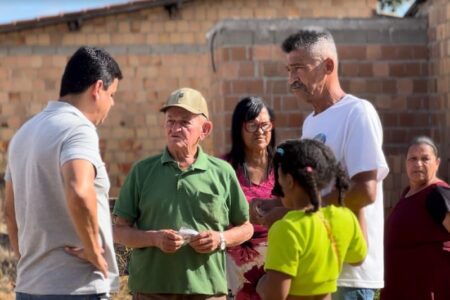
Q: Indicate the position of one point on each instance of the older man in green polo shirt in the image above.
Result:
(180, 209)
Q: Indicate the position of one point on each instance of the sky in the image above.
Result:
(18, 10)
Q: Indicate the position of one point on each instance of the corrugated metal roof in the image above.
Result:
(85, 14)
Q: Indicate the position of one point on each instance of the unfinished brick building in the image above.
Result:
(229, 49)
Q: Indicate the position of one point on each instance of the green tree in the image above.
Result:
(393, 4)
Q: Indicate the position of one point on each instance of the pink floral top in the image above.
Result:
(251, 191)
(247, 258)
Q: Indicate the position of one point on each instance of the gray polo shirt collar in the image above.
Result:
(64, 106)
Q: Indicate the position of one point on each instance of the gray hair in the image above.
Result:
(315, 40)
(419, 140)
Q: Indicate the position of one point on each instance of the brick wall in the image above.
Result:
(382, 60)
(157, 54)
(389, 62)
(439, 72)
(155, 26)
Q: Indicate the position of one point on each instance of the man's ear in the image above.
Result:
(329, 65)
(206, 129)
(95, 89)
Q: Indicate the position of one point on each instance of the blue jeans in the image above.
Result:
(348, 293)
(24, 296)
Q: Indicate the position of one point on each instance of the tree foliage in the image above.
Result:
(393, 4)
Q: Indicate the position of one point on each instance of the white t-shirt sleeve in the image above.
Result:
(82, 143)
(364, 142)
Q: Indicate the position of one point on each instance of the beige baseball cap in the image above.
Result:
(189, 99)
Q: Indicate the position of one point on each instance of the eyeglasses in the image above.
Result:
(255, 126)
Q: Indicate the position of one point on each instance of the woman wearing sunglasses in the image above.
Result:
(252, 149)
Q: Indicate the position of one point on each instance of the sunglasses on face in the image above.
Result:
(253, 126)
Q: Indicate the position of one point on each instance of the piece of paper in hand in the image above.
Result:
(187, 234)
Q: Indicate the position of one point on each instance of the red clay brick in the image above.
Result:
(397, 70)
(290, 104)
(238, 53)
(246, 69)
(277, 87)
(389, 86)
(373, 52)
(420, 86)
(262, 52)
(349, 69)
(420, 52)
(413, 69)
(365, 69)
(247, 86)
(404, 86)
(352, 52)
(272, 69)
(373, 86)
(389, 52)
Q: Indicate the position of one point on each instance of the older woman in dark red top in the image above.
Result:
(417, 257)
(252, 149)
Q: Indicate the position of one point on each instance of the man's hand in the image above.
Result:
(260, 207)
(169, 240)
(96, 259)
(206, 241)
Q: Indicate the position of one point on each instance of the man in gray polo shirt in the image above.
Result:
(57, 187)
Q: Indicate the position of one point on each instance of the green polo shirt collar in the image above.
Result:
(200, 163)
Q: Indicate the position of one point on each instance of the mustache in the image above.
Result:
(297, 85)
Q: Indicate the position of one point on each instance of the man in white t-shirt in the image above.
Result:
(352, 129)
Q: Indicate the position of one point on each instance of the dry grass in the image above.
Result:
(123, 293)
(7, 266)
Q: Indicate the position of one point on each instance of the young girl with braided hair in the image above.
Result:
(306, 249)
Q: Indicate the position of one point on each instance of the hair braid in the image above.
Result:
(313, 167)
(342, 183)
(313, 191)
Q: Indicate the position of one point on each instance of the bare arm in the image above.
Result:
(81, 200)
(274, 286)
(238, 234)
(363, 190)
(126, 234)
(208, 241)
(446, 222)
(10, 214)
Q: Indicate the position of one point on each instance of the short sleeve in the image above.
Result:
(357, 249)
(127, 205)
(82, 143)
(438, 203)
(364, 141)
(284, 249)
